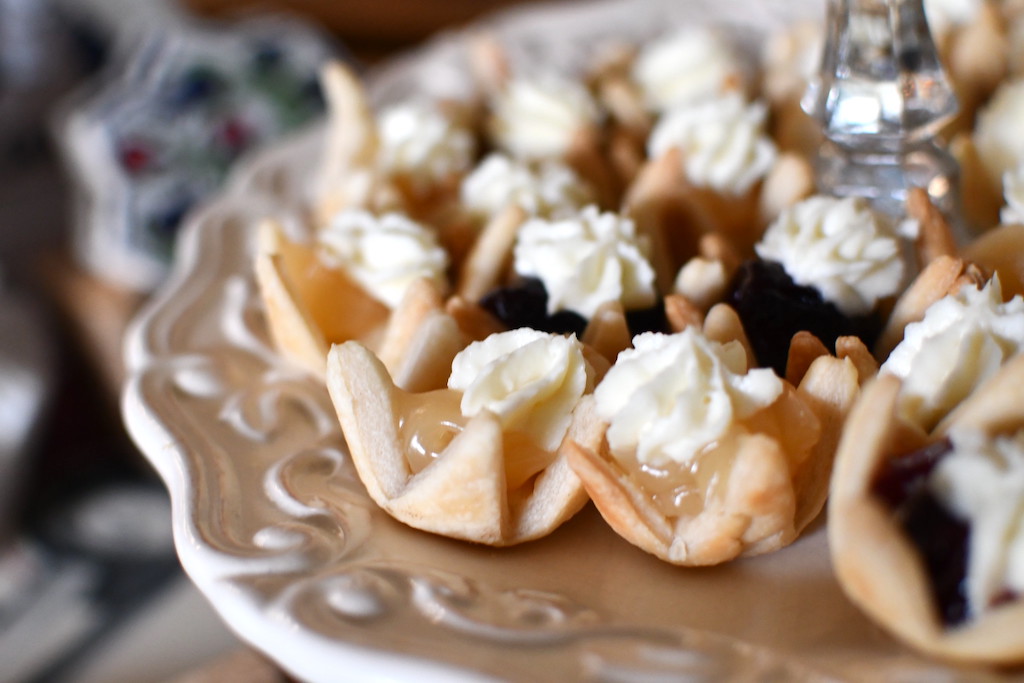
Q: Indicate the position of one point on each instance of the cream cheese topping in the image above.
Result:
(997, 131)
(549, 189)
(1013, 195)
(723, 142)
(418, 140)
(963, 340)
(686, 66)
(982, 482)
(531, 380)
(670, 396)
(586, 260)
(540, 118)
(841, 247)
(383, 253)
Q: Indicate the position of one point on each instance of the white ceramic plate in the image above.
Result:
(273, 526)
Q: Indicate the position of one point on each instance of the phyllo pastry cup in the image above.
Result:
(309, 304)
(479, 462)
(699, 460)
(878, 565)
(346, 282)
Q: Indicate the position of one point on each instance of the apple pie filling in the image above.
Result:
(429, 421)
(530, 380)
(684, 490)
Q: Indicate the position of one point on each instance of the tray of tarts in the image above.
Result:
(542, 359)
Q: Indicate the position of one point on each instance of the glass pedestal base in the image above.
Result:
(884, 178)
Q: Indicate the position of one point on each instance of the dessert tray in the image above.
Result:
(274, 527)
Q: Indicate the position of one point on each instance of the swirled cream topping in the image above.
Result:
(548, 189)
(418, 140)
(685, 67)
(540, 118)
(981, 481)
(531, 380)
(586, 260)
(841, 247)
(997, 131)
(383, 253)
(1013, 195)
(963, 340)
(723, 142)
(670, 396)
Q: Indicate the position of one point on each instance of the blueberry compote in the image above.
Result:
(525, 304)
(773, 308)
(941, 538)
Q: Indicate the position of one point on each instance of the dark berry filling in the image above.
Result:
(773, 308)
(941, 538)
(647, 319)
(525, 304)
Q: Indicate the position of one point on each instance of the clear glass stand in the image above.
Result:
(881, 96)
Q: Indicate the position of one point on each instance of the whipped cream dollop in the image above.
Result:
(531, 380)
(962, 340)
(723, 142)
(981, 481)
(383, 253)
(841, 247)
(549, 189)
(686, 66)
(997, 135)
(418, 140)
(670, 396)
(586, 260)
(537, 118)
(1013, 194)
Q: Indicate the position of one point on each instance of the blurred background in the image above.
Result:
(90, 201)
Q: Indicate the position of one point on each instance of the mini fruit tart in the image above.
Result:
(961, 341)
(700, 459)
(824, 265)
(586, 274)
(481, 459)
(345, 283)
(925, 529)
(543, 116)
(411, 155)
